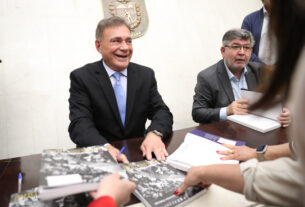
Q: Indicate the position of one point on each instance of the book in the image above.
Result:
(259, 119)
(156, 183)
(199, 148)
(30, 198)
(66, 172)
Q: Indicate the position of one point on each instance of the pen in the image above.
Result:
(19, 182)
(122, 149)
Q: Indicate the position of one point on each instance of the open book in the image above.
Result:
(30, 198)
(199, 148)
(67, 172)
(260, 120)
(156, 183)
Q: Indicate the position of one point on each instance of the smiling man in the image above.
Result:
(112, 99)
(217, 93)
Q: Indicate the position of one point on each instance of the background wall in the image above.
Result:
(42, 41)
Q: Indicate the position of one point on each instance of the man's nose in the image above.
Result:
(124, 46)
(241, 51)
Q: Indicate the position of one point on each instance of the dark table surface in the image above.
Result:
(30, 165)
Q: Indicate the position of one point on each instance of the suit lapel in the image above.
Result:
(104, 80)
(132, 83)
(251, 80)
(224, 80)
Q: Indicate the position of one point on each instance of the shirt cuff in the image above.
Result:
(223, 113)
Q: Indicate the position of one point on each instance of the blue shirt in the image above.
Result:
(236, 86)
(112, 79)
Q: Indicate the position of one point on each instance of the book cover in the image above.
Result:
(30, 198)
(199, 148)
(65, 172)
(156, 183)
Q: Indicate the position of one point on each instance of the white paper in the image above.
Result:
(195, 151)
(226, 141)
(61, 180)
(271, 113)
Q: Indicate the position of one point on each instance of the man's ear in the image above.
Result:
(222, 50)
(98, 46)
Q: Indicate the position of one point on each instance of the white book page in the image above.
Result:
(271, 113)
(255, 122)
(196, 150)
(61, 180)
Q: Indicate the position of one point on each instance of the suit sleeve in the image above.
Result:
(82, 129)
(104, 201)
(203, 111)
(246, 24)
(159, 114)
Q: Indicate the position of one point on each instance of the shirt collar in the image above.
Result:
(265, 12)
(110, 72)
(230, 74)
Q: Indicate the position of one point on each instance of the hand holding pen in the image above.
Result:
(116, 154)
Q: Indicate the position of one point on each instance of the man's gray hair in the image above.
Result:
(241, 34)
(109, 22)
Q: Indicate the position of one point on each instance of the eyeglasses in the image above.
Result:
(246, 48)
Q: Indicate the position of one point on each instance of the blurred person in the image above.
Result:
(112, 192)
(257, 23)
(279, 182)
(244, 153)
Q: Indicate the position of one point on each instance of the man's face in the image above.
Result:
(115, 47)
(236, 54)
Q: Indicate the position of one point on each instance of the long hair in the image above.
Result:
(287, 25)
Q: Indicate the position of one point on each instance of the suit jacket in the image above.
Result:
(214, 91)
(103, 201)
(94, 114)
(254, 23)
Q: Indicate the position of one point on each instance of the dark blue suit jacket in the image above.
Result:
(254, 23)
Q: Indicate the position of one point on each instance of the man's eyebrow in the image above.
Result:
(116, 38)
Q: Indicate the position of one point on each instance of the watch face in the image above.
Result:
(261, 148)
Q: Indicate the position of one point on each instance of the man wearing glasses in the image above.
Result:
(217, 92)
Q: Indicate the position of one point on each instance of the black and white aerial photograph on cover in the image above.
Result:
(156, 183)
(29, 198)
(91, 163)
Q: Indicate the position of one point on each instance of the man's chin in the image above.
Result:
(121, 66)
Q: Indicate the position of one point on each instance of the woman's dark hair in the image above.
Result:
(287, 25)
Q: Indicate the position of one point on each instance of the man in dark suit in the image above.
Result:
(217, 93)
(112, 99)
(254, 23)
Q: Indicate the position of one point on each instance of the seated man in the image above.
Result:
(217, 93)
(112, 99)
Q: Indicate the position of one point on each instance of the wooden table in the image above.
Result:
(30, 165)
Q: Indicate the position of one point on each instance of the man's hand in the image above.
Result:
(115, 152)
(116, 188)
(285, 118)
(153, 143)
(239, 107)
(241, 153)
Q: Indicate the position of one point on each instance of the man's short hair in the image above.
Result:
(109, 22)
(237, 34)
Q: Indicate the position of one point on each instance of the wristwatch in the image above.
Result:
(260, 151)
(158, 133)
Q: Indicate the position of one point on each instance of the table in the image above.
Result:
(30, 165)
